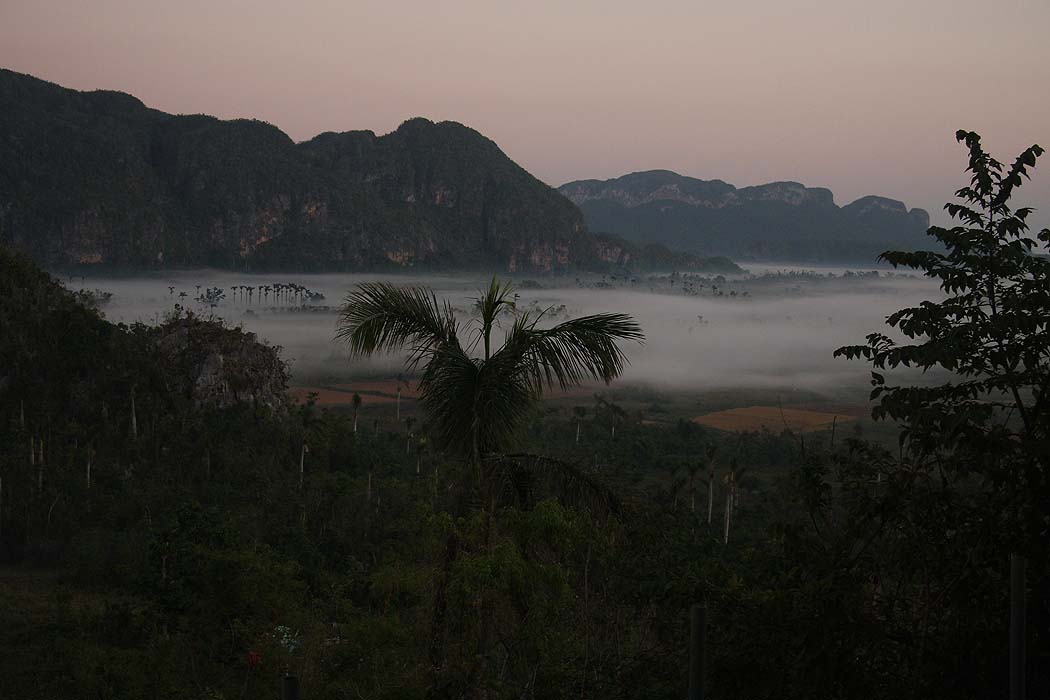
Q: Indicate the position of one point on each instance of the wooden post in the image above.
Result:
(697, 653)
(1018, 564)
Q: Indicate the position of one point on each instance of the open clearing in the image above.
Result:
(772, 417)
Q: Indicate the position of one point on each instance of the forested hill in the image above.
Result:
(97, 178)
(777, 221)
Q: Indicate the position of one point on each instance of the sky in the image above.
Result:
(860, 97)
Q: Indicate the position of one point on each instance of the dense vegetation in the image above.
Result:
(98, 179)
(171, 528)
(777, 221)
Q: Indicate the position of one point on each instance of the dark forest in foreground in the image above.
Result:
(172, 527)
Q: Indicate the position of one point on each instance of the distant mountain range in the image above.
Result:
(98, 179)
(783, 221)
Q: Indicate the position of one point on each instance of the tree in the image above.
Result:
(580, 412)
(475, 405)
(992, 332)
(356, 400)
(975, 472)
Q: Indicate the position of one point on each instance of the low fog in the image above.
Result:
(773, 328)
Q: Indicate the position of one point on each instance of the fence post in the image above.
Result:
(697, 644)
(1018, 564)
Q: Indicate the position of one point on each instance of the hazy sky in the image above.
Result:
(860, 97)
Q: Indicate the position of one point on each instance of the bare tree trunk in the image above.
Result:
(47, 527)
(134, 417)
(729, 515)
(302, 465)
(710, 497)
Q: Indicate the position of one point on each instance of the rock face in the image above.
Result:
(218, 367)
(777, 221)
(99, 179)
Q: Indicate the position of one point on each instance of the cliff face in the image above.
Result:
(99, 179)
(780, 220)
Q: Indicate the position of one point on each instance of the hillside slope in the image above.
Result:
(99, 179)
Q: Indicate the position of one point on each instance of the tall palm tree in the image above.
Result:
(476, 398)
(580, 412)
(356, 400)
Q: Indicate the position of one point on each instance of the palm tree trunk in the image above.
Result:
(134, 417)
(729, 514)
(577, 432)
(302, 465)
(710, 498)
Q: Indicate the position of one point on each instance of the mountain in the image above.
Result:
(777, 221)
(99, 179)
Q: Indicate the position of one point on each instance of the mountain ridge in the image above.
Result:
(777, 220)
(98, 179)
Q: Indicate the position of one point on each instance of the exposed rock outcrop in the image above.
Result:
(219, 367)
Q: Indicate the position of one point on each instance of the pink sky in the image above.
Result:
(860, 97)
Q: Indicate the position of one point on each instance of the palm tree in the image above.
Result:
(616, 415)
(356, 400)
(409, 421)
(400, 381)
(476, 405)
(579, 412)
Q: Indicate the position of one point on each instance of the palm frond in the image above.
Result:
(570, 352)
(378, 316)
(492, 302)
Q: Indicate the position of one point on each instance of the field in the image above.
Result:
(773, 418)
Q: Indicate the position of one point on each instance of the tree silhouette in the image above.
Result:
(580, 412)
(476, 405)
